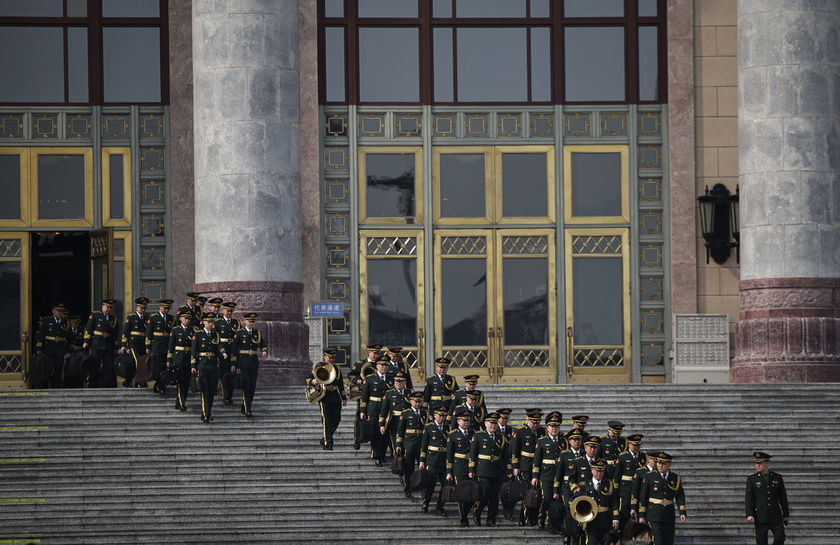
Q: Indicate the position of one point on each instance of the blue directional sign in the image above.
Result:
(326, 309)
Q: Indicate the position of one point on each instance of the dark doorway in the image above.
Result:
(60, 272)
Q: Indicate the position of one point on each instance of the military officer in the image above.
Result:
(134, 336)
(489, 463)
(75, 338)
(544, 469)
(627, 464)
(661, 491)
(504, 418)
(612, 445)
(178, 355)
(458, 459)
(397, 364)
(566, 467)
(192, 305)
(205, 353)
(248, 344)
(332, 401)
(472, 404)
(638, 477)
(227, 326)
(52, 341)
(470, 385)
(602, 490)
(394, 402)
(102, 337)
(157, 339)
(356, 381)
(216, 307)
(523, 445)
(370, 405)
(433, 456)
(410, 436)
(440, 386)
(579, 424)
(766, 501)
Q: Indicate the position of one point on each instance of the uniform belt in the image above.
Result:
(331, 387)
(413, 431)
(626, 477)
(248, 352)
(527, 454)
(102, 333)
(491, 458)
(160, 334)
(459, 455)
(206, 354)
(226, 340)
(397, 413)
(549, 462)
(53, 338)
(603, 509)
(610, 462)
(436, 398)
(181, 348)
(138, 333)
(435, 449)
(374, 398)
(661, 502)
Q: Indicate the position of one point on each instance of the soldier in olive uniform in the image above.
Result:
(766, 501)
(398, 364)
(440, 387)
(205, 354)
(356, 382)
(470, 385)
(370, 405)
(52, 341)
(603, 491)
(248, 345)
(579, 424)
(523, 444)
(612, 445)
(227, 326)
(544, 469)
(506, 430)
(650, 465)
(332, 401)
(102, 334)
(195, 310)
(157, 339)
(134, 336)
(661, 491)
(394, 402)
(582, 470)
(489, 462)
(476, 411)
(626, 466)
(178, 355)
(458, 459)
(75, 338)
(410, 436)
(566, 467)
(433, 456)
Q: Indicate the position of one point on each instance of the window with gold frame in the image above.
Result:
(14, 184)
(116, 187)
(391, 184)
(596, 184)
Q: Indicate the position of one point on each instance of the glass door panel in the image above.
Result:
(597, 305)
(462, 185)
(391, 290)
(17, 332)
(524, 181)
(596, 181)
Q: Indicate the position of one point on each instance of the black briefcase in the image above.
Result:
(532, 498)
(513, 490)
(40, 370)
(232, 381)
(364, 431)
(468, 491)
(555, 509)
(124, 365)
(447, 493)
(420, 480)
(144, 373)
(398, 465)
(168, 377)
(90, 364)
(73, 364)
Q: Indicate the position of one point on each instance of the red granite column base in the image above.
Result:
(789, 371)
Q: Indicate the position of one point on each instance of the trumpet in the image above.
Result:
(584, 509)
(324, 373)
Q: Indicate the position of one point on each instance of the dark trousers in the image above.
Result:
(662, 532)
(412, 458)
(56, 380)
(207, 380)
(330, 419)
(105, 376)
(438, 476)
(623, 512)
(182, 375)
(464, 507)
(527, 516)
(492, 487)
(227, 383)
(249, 386)
(778, 529)
(379, 442)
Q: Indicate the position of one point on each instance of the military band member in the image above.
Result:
(470, 385)
(766, 501)
(661, 491)
(544, 469)
(410, 436)
(626, 467)
(504, 418)
(157, 338)
(227, 326)
(248, 345)
(433, 456)
(458, 459)
(398, 364)
(650, 465)
(332, 401)
(566, 466)
(523, 445)
(52, 341)
(581, 471)
(178, 356)
(489, 463)
(476, 411)
(579, 424)
(370, 405)
(205, 354)
(355, 379)
(134, 336)
(216, 307)
(75, 338)
(394, 402)
(102, 337)
(612, 445)
(195, 310)
(440, 387)
(602, 490)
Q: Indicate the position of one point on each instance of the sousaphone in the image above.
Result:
(325, 373)
(354, 391)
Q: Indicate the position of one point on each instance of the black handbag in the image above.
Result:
(364, 431)
(468, 491)
(513, 490)
(555, 509)
(124, 365)
(168, 377)
(532, 498)
(398, 465)
(420, 480)
(447, 493)
(73, 364)
(40, 370)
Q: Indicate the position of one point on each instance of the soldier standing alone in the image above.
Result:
(766, 501)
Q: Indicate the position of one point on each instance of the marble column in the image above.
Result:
(247, 171)
(789, 138)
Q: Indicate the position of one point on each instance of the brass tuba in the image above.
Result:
(325, 373)
(584, 509)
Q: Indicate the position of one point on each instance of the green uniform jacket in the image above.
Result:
(433, 447)
(52, 336)
(392, 407)
(476, 422)
(102, 332)
(373, 393)
(157, 332)
(227, 329)
(410, 430)
(335, 389)
(766, 498)
(489, 456)
(523, 443)
(566, 468)
(625, 468)
(607, 499)
(458, 453)
(247, 347)
(545, 459)
(461, 399)
(180, 342)
(205, 351)
(658, 497)
(439, 390)
(134, 333)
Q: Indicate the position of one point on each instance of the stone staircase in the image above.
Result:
(123, 466)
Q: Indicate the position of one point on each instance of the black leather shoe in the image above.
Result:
(183, 408)
(378, 463)
(356, 446)
(324, 446)
(522, 523)
(541, 523)
(440, 513)
(328, 447)
(249, 415)
(465, 523)
(477, 520)
(409, 495)
(491, 522)
(425, 508)
(205, 420)
(177, 406)
(162, 392)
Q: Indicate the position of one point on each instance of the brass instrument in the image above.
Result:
(325, 373)
(584, 509)
(354, 391)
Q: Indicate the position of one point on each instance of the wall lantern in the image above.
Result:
(720, 223)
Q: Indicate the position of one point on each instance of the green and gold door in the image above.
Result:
(17, 336)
